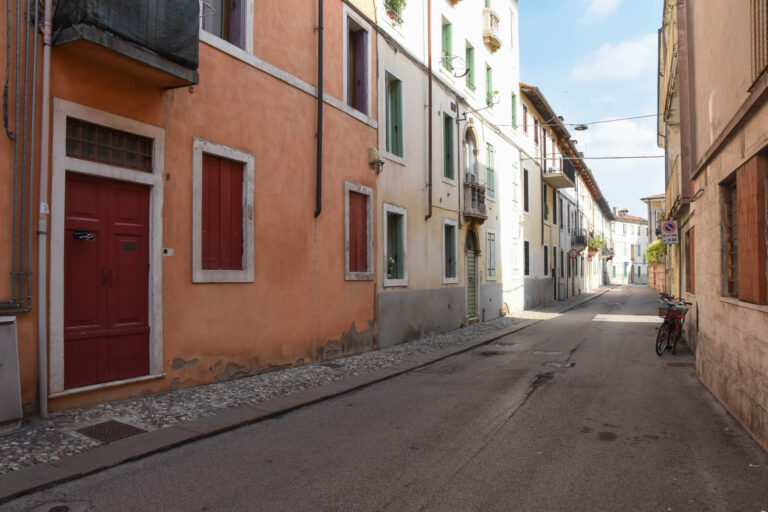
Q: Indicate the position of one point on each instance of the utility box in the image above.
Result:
(10, 387)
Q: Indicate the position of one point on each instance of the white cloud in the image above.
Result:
(623, 182)
(629, 59)
(600, 9)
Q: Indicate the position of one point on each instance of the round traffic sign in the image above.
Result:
(669, 227)
(573, 254)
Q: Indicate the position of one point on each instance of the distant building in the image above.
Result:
(656, 209)
(629, 236)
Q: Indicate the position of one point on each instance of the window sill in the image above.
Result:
(358, 276)
(748, 305)
(450, 280)
(400, 160)
(393, 283)
(448, 181)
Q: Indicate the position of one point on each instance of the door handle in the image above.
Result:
(83, 235)
(111, 277)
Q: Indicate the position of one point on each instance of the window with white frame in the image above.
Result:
(490, 250)
(357, 63)
(358, 226)
(450, 254)
(449, 148)
(222, 214)
(228, 20)
(395, 246)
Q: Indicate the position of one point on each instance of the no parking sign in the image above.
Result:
(669, 233)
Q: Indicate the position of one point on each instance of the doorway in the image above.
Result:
(106, 280)
(471, 269)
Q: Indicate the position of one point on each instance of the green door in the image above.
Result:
(471, 268)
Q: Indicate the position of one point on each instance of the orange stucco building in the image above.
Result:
(189, 239)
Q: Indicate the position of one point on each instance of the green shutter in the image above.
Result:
(490, 154)
(488, 85)
(514, 111)
(448, 146)
(388, 113)
(394, 115)
(470, 58)
(447, 50)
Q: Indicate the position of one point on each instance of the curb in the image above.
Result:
(43, 476)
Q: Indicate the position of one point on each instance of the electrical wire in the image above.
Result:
(591, 122)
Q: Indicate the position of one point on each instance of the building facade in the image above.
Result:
(719, 201)
(629, 240)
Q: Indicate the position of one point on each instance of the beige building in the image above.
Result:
(720, 195)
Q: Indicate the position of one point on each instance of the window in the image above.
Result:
(526, 258)
(690, 274)
(554, 206)
(448, 147)
(358, 225)
(562, 262)
(759, 39)
(525, 190)
(395, 238)
(490, 155)
(731, 237)
(488, 85)
(469, 58)
(535, 131)
(614, 270)
(394, 113)
(514, 111)
(490, 249)
(447, 47)
(554, 261)
(113, 147)
(639, 269)
(525, 119)
(546, 260)
(625, 269)
(357, 64)
(624, 228)
(450, 272)
(560, 207)
(222, 228)
(226, 19)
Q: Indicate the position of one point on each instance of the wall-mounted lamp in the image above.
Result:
(373, 159)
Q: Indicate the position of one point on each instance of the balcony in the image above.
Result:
(564, 178)
(491, 33)
(156, 40)
(579, 240)
(474, 199)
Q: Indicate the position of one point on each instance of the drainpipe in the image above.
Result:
(319, 186)
(42, 225)
(458, 153)
(429, 109)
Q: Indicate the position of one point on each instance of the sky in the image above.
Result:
(596, 60)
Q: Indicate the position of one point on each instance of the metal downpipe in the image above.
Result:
(319, 185)
(42, 229)
(429, 109)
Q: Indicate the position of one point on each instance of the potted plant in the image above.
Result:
(395, 9)
(595, 243)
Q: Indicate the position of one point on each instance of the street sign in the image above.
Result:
(669, 233)
(573, 254)
(626, 263)
(662, 257)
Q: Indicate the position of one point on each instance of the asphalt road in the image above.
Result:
(490, 429)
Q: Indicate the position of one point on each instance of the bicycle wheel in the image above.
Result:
(662, 338)
(674, 337)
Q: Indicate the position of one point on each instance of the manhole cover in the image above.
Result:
(557, 364)
(110, 431)
(680, 364)
(488, 353)
(546, 353)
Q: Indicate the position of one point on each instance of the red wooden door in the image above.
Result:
(106, 281)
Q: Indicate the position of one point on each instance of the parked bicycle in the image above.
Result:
(671, 330)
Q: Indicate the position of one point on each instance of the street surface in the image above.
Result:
(490, 429)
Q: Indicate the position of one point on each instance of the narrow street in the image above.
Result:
(495, 428)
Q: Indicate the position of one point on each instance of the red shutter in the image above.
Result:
(750, 183)
(222, 224)
(358, 230)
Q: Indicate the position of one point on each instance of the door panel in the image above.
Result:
(106, 281)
